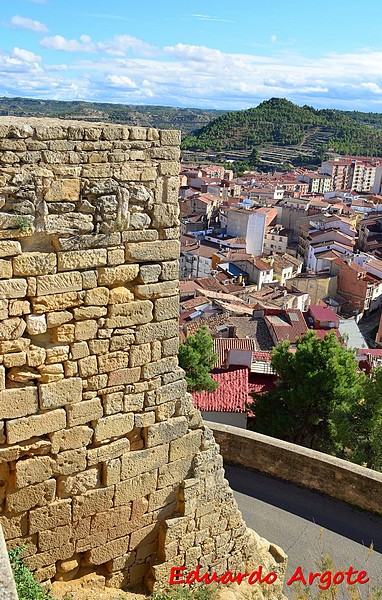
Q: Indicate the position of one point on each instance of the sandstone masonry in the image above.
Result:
(105, 464)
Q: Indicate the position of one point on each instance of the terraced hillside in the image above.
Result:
(283, 133)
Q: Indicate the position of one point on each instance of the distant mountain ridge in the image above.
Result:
(162, 117)
(281, 132)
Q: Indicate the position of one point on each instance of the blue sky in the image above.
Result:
(210, 54)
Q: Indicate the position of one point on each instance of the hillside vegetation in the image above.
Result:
(280, 123)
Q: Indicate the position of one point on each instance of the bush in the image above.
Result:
(27, 587)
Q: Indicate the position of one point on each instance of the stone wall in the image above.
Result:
(317, 471)
(105, 464)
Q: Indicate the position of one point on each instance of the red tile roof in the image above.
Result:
(286, 324)
(231, 395)
(323, 313)
(222, 346)
(261, 357)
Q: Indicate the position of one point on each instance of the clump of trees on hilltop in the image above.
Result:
(323, 402)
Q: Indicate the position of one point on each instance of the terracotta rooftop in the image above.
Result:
(230, 396)
(222, 346)
(323, 313)
(286, 325)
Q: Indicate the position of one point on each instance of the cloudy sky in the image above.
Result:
(207, 54)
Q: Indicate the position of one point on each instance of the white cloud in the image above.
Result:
(58, 42)
(126, 69)
(273, 38)
(26, 55)
(121, 81)
(210, 18)
(25, 23)
(120, 44)
(194, 53)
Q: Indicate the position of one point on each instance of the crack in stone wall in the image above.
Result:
(105, 465)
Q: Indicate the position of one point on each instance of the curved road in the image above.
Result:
(306, 524)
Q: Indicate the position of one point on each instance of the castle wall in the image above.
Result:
(105, 464)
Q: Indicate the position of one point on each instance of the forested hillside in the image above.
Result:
(282, 123)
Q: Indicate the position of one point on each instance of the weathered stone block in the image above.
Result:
(140, 355)
(136, 463)
(121, 342)
(11, 329)
(124, 376)
(31, 496)
(70, 462)
(120, 295)
(164, 365)
(92, 502)
(89, 312)
(112, 361)
(13, 288)
(158, 290)
(36, 425)
(54, 319)
(88, 366)
(135, 488)
(5, 269)
(130, 313)
(117, 275)
(70, 439)
(55, 514)
(156, 331)
(111, 472)
(100, 555)
(33, 470)
(84, 412)
(54, 395)
(63, 190)
(113, 426)
(74, 485)
(107, 452)
(36, 324)
(152, 251)
(164, 432)
(86, 330)
(59, 283)
(18, 402)
(171, 391)
(54, 538)
(55, 302)
(9, 248)
(34, 263)
(188, 445)
(82, 259)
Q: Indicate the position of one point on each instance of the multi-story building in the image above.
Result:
(352, 173)
(340, 171)
(361, 289)
(319, 183)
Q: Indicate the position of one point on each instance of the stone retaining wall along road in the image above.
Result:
(337, 478)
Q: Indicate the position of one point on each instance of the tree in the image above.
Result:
(365, 424)
(317, 387)
(197, 358)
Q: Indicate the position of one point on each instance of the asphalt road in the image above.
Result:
(307, 524)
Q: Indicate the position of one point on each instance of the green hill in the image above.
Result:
(283, 131)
